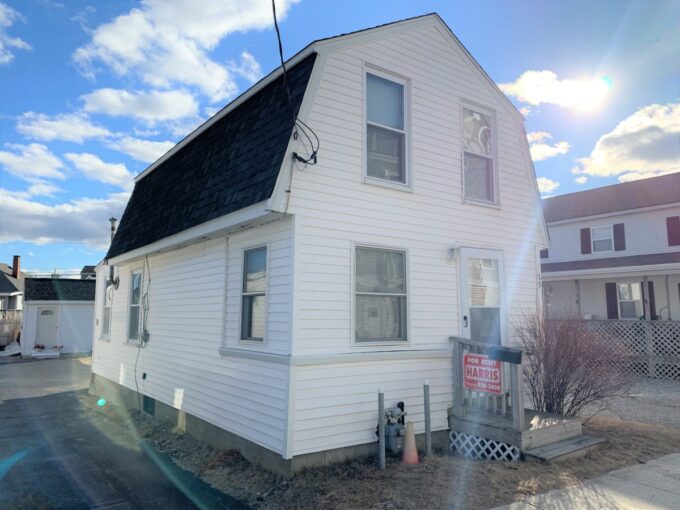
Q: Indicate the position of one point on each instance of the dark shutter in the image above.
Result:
(619, 237)
(673, 230)
(644, 297)
(544, 253)
(585, 241)
(612, 301)
(652, 302)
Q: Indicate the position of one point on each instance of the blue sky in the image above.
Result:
(92, 92)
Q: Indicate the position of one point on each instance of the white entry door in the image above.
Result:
(482, 307)
(48, 325)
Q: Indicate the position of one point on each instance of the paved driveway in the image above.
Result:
(58, 450)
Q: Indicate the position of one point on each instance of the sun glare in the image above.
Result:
(591, 94)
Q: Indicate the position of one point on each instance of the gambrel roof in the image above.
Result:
(232, 164)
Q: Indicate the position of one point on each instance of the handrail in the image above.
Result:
(512, 375)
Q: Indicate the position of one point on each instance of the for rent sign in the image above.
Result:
(481, 373)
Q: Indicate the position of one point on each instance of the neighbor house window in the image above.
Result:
(602, 239)
(135, 312)
(106, 314)
(380, 300)
(478, 155)
(385, 129)
(630, 300)
(254, 295)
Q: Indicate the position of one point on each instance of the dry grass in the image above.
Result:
(442, 481)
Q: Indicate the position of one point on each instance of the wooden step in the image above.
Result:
(565, 449)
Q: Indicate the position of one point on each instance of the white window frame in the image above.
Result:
(619, 300)
(138, 270)
(263, 340)
(106, 335)
(592, 238)
(406, 83)
(370, 344)
(469, 105)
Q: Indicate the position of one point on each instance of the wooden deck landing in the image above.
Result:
(540, 428)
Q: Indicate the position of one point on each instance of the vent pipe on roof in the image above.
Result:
(16, 266)
(113, 226)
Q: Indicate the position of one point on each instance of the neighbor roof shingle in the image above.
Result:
(9, 284)
(618, 197)
(231, 165)
(55, 289)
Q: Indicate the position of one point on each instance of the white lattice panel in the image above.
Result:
(475, 447)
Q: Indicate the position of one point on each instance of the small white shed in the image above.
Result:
(58, 317)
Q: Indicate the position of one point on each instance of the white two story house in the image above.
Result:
(261, 300)
(615, 252)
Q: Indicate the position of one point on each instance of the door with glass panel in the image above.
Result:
(482, 313)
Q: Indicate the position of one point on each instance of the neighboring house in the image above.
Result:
(11, 301)
(271, 299)
(615, 252)
(58, 315)
(11, 286)
(88, 273)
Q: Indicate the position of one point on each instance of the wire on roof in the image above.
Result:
(299, 125)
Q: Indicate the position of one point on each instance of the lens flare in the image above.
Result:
(101, 402)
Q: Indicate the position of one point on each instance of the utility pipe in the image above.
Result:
(381, 429)
(428, 425)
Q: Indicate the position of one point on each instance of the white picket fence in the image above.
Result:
(654, 346)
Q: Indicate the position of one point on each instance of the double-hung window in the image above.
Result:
(479, 174)
(602, 238)
(386, 129)
(380, 300)
(135, 308)
(254, 296)
(630, 300)
(106, 312)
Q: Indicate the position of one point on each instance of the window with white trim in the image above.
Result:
(479, 174)
(380, 295)
(254, 295)
(386, 128)
(602, 238)
(630, 300)
(135, 307)
(106, 310)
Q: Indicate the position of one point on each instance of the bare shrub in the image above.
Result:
(567, 367)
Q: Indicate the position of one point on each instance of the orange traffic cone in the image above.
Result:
(410, 451)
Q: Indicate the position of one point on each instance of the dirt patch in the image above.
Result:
(442, 481)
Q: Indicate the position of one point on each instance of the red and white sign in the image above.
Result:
(481, 373)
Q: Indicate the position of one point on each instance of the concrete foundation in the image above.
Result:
(224, 440)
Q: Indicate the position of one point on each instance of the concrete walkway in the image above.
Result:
(654, 485)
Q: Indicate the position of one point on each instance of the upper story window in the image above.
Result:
(602, 239)
(135, 308)
(380, 300)
(386, 128)
(479, 175)
(254, 296)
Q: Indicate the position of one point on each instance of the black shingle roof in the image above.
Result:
(55, 289)
(231, 165)
(617, 197)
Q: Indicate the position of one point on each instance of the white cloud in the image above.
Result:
(7, 43)
(645, 144)
(31, 162)
(84, 220)
(544, 87)
(541, 150)
(546, 185)
(538, 136)
(581, 180)
(146, 151)
(94, 168)
(73, 127)
(248, 67)
(150, 107)
(43, 189)
(165, 43)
